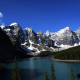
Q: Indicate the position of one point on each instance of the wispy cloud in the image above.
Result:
(1, 19)
(1, 15)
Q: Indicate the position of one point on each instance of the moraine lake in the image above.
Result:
(34, 68)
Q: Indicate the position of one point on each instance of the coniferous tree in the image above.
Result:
(46, 76)
(72, 74)
(53, 77)
(15, 71)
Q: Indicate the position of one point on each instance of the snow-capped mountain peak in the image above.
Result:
(47, 33)
(40, 33)
(67, 28)
(78, 30)
(62, 31)
(65, 36)
(14, 24)
(30, 30)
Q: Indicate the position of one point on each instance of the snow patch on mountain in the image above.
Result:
(31, 42)
(24, 43)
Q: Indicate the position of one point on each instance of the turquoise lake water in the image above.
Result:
(34, 68)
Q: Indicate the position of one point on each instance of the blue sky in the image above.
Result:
(43, 15)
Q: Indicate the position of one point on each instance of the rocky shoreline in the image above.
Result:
(65, 60)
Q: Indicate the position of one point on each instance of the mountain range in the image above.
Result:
(34, 43)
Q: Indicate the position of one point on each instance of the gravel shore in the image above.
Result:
(66, 60)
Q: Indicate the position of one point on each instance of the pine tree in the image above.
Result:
(72, 74)
(46, 76)
(15, 71)
(52, 73)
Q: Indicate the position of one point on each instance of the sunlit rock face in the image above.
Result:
(65, 36)
(15, 33)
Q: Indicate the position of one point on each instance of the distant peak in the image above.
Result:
(78, 30)
(68, 28)
(39, 32)
(65, 29)
(30, 30)
(14, 24)
(47, 33)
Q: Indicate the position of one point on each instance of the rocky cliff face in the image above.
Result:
(31, 35)
(36, 41)
(45, 39)
(78, 33)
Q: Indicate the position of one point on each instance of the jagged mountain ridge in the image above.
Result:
(37, 41)
(31, 41)
(27, 38)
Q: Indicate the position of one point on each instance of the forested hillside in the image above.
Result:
(69, 54)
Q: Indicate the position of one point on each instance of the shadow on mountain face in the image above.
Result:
(7, 50)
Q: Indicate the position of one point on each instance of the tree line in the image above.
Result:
(68, 54)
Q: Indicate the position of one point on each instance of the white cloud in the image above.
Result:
(1, 15)
(2, 25)
(1, 19)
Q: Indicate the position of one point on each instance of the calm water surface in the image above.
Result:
(34, 68)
